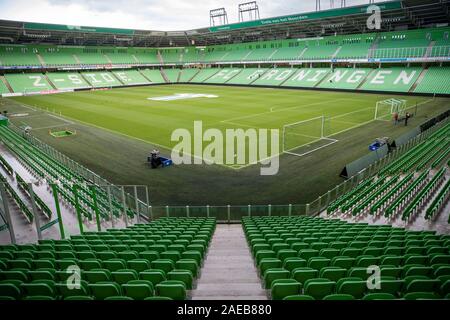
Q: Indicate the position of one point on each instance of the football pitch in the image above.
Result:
(153, 113)
(116, 129)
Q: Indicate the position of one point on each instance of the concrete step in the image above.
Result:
(229, 272)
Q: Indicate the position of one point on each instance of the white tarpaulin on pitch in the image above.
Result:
(181, 96)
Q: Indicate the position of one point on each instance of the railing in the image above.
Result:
(409, 52)
(228, 213)
(322, 202)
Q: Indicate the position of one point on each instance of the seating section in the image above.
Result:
(342, 78)
(12, 55)
(158, 260)
(310, 258)
(101, 79)
(274, 77)
(85, 200)
(172, 74)
(130, 77)
(67, 80)
(3, 87)
(153, 75)
(204, 74)
(426, 42)
(224, 75)
(308, 77)
(397, 79)
(187, 74)
(392, 79)
(247, 76)
(404, 186)
(26, 83)
(436, 80)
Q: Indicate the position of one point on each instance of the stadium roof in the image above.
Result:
(396, 15)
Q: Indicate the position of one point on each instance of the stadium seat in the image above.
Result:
(282, 288)
(173, 289)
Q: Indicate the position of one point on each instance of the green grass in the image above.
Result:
(134, 125)
(129, 112)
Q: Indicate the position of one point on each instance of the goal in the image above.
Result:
(303, 137)
(386, 108)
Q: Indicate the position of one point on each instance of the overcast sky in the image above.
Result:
(164, 15)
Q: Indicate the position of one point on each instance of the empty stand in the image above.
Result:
(145, 261)
(306, 258)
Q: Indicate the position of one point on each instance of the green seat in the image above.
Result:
(20, 264)
(308, 253)
(39, 298)
(184, 276)
(64, 291)
(269, 263)
(104, 290)
(155, 276)
(38, 289)
(304, 273)
(138, 289)
(264, 254)
(106, 255)
(42, 274)
(293, 263)
(441, 270)
(127, 255)
(139, 264)
(329, 253)
(79, 298)
(282, 288)
(122, 276)
(195, 255)
(379, 296)
(286, 253)
(90, 264)
(115, 298)
(173, 289)
(423, 285)
(84, 255)
(299, 297)
(14, 275)
(318, 263)
(163, 264)
(355, 288)
(158, 298)
(358, 272)
(339, 296)
(319, 288)
(391, 271)
(114, 264)
(332, 273)
(393, 286)
(188, 264)
(97, 275)
(274, 274)
(149, 255)
(420, 296)
(10, 290)
(343, 262)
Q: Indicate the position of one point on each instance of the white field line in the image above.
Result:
(332, 141)
(288, 108)
(50, 127)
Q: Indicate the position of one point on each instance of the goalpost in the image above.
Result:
(386, 108)
(303, 137)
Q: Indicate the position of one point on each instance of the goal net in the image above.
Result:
(303, 137)
(385, 109)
